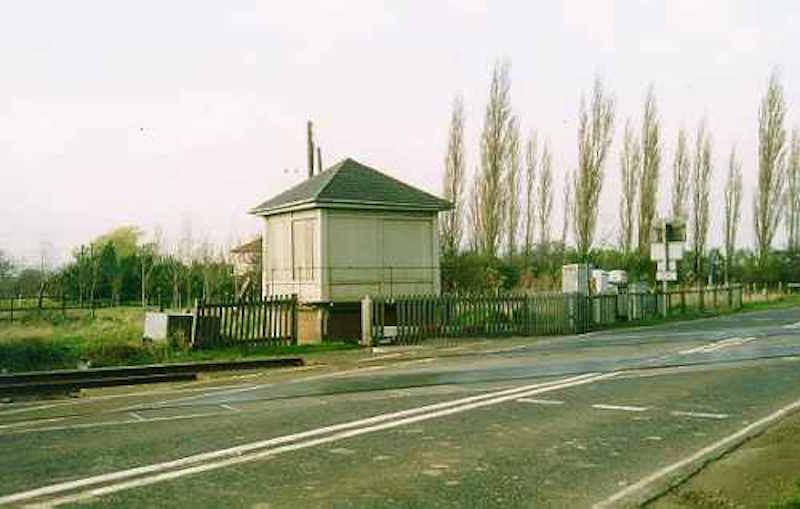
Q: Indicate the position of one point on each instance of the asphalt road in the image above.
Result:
(601, 420)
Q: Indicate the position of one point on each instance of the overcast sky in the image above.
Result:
(161, 113)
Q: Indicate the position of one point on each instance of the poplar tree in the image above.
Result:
(595, 130)
(490, 197)
(452, 220)
(544, 203)
(531, 162)
(793, 194)
(680, 177)
(651, 163)
(630, 167)
(701, 181)
(512, 191)
(768, 200)
(733, 200)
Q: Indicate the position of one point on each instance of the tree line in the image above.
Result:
(501, 231)
(122, 268)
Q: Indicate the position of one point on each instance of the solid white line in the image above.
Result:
(541, 401)
(703, 415)
(145, 481)
(246, 448)
(729, 440)
(621, 407)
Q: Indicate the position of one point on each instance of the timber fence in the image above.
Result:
(268, 321)
(415, 318)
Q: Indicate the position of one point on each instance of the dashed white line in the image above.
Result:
(702, 415)
(136, 416)
(623, 408)
(540, 401)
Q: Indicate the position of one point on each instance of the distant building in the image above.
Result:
(347, 232)
(247, 263)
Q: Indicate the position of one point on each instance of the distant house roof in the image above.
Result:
(254, 246)
(351, 184)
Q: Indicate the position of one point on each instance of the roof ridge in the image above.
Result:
(335, 169)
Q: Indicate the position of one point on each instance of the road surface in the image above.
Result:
(600, 420)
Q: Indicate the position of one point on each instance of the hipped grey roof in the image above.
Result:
(352, 184)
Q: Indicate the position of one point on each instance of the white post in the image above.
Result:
(366, 321)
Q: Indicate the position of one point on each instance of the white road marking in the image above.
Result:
(238, 454)
(136, 416)
(92, 399)
(30, 423)
(702, 415)
(380, 357)
(718, 345)
(795, 325)
(104, 424)
(228, 407)
(621, 407)
(729, 440)
(540, 401)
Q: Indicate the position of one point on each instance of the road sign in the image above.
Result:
(662, 266)
(658, 251)
(666, 275)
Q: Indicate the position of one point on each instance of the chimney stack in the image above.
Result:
(310, 150)
(319, 159)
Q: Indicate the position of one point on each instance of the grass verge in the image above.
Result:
(51, 341)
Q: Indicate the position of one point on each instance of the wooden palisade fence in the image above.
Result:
(271, 320)
(414, 318)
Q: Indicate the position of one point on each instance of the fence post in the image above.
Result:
(295, 319)
(194, 323)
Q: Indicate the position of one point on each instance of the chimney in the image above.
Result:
(319, 159)
(310, 150)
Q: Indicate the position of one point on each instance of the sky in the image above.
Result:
(184, 114)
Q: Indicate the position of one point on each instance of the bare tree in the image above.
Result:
(531, 162)
(768, 202)
(793, 194)
(452, 226)
(651, 164)
(544, 203)
(680, 176)
(701, 181)
(733, 200)
(595, 130)
(513, 174)
(630, 166)
(567, 202)
(494, 147)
